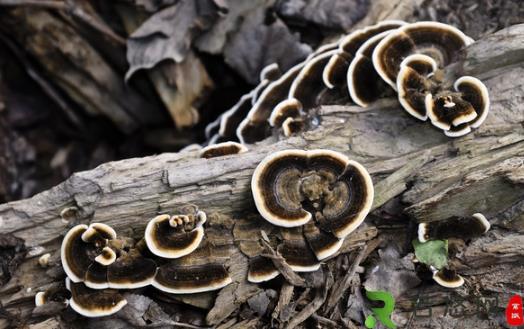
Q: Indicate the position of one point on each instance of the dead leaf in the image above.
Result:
(169, 33)
(257, 44)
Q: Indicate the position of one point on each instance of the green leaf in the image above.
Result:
(434, 252)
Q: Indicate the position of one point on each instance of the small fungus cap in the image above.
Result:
(337, 191)
(440, 41)
(454, 111)
(448, 278)
(107, 257)
(95, 303)
(413, 84)
(261, 269)
(222, 149)
(289, 108)
(167, 236)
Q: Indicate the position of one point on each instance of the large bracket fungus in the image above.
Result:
(175, 236)
(439, 41)
(291, 187)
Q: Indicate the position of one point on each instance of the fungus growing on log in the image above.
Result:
(335, 71)
(291, 126)
(83, 246)
(454, 227)
(131, 271)
(291, 187)
(439, 41)
(448, 278)
(222, 149)
(183, 279)
(175, 236)
(458, 111)
(261, 269)
(308, 85)
(94, 303)
(413, 84)
(364, 83)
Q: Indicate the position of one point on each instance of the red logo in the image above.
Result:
(514, 311)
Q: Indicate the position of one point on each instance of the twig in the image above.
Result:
(340, 287)
(282, 266)
(316, 303)
(286, 292)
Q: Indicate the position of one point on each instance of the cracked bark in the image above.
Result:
(417, 172)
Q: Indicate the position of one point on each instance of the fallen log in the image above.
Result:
(419, 175)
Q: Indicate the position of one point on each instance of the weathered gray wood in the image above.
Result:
(410, 161)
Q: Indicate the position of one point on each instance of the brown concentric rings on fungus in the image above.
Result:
(131, 271)
(413, 84)
(95, 303)
(291, 187)
(222, 149)
(454, 227)
(468, 104)
(261, 269)
(364, 84)
(439, 41)
(76, 255)
(167, 237)
(448, 278)
(182, 279)
(335, 71)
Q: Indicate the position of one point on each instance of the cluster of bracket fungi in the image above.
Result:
(316, 198)
(371, 63)
(455, 227)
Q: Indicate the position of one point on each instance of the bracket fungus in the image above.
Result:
(261, 269)
(335, 71)
(291, 126)
(456, 112)
(222, 149)
(54, 294)
(94, 303)
(439, 41)
(308, 84)
(81, 246)
(93, 255)
(175, 236)
(189, 279)
(254, 126)
(454, 227)
(448, 278)
(291, 187)
(424, 93)
(364, 83)
(413, 83)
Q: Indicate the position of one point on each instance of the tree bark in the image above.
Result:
(417, 172)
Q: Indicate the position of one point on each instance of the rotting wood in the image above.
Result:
(461, 176)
